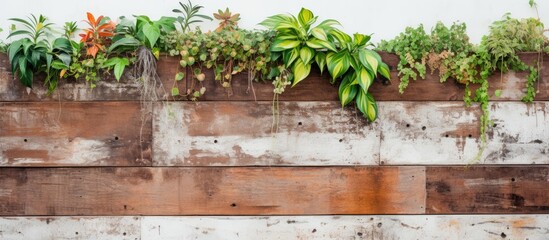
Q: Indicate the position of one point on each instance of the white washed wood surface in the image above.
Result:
(444, 227)
(406, 133)
(74, 228)
(239, 133)
(438, 133)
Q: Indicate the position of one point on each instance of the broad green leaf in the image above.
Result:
(152, 33)
(365, 79)
(13, 49)
(320, 59)
(119, 68)
(273, 21)
(59, 65)
(301, 71)
(320, 44)
(367, 105)
(286, 36)
(341, 36)
(338, 63)
(175, 91)
(347, 91)
(281, 45)
(319, 33)
(368, 59)
(305, 16)
(306, 54)
(361, 39)
(384, 70)
(125, 42)
(328, 24)
(179, 76)
(289, 56)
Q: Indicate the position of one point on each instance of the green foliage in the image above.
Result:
(227, 53)
(189, 15)
(228, 21)
(144, 32)
(3, 47)
(299, 40)
(30, 54)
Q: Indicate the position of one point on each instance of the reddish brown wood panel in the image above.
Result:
(212, 191)
(485, 189)
(75, 134)
(108, 89)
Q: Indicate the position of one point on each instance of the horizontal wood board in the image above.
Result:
(273, 191)
(448, 227)
(75, 134)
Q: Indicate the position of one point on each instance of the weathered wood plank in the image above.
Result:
(108, 89)
(479, 189)
(316, 88)
(211, 191)
(239, 133)
(75, 134)
(65, 228)
(448, 133)
(532, 227)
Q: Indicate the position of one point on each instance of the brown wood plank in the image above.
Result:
(239, 134)
(211, 191)
(316, 88)
(108, 89)
(482, 189)
(75, 134)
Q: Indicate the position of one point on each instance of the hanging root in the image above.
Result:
(149, 82)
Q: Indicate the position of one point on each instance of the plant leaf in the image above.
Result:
(301, 71)
(320, 59)
(306, 54)
(365, 79)
(305, 16)
(368, 59)
(338, 63)
(384, 70)
(289, 56)
(320, 44)
(367, 105)
(175, 91)
(152, 33)
(281, 45)
(347, 91)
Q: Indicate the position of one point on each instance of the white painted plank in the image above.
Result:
(531, 227)
(239, 134)
(443, 227)
(74, 228)
(438, 133)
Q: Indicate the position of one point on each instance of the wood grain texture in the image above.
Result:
(211, 191)
(70, 228)
(445, 133)
(316, 87)
(107, 89)
(481, 189)
(239, 134)
(532, 227)
(75, 134)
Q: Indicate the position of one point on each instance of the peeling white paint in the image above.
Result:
(58, 151)
(323, 139)
(73, 228)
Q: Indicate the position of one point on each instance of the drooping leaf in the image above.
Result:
(367, 105)
(365, 79)
(368, 59)
(179, 76)
(300, 71)
(175, 91)
(289, 56)
(320, 59)
(319, 33)
(306, 54)
(338, 63)
(384, 70)
(347, 91)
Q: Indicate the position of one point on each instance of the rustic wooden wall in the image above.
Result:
(100, 164)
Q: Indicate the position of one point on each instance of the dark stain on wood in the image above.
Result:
(487, 189)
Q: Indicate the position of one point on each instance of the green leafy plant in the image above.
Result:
(358, 66)
(189, 15)
(300, 42)
(3, 46)
(227, 52)
(228, 21)
(28, 54)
